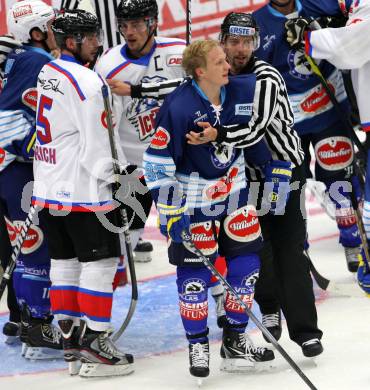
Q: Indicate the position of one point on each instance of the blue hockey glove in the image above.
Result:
(277, 185)
(363, 274)
(173, 220)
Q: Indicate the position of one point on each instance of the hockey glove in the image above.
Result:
(277, 185)
(295, 29)
(363, 274)
(173, 220)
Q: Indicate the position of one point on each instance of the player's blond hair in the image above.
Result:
(195, 55)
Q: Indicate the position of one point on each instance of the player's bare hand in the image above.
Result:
(119, 87)
(208, 134)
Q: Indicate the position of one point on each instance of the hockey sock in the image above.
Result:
(192, 287)
(32, 284)
(65, 275)
(346, 222)
(242, 275)
(95, 294)
(198, 338)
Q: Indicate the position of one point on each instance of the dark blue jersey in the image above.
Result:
(18, 102)
(312, 108)
(209, 175)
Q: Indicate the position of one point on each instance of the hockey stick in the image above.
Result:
(188, 22)
(123, 214)
(344, 119)
(321, 281)
(17, 249)
(186, 238)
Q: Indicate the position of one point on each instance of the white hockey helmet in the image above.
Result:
(25, 15)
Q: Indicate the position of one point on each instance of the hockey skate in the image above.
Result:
(273, 324)
(12, 331)
(240, 355)
(199, 359)
(143, 251)
(41, 339)
(71, 347)
(312, 348)
(352, 259)
(100, 357)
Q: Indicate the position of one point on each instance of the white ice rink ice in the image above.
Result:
(155, 337)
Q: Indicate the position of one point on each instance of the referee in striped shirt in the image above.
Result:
(285, 281)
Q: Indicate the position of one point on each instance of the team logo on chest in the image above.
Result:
(141, 113)
(298, 65)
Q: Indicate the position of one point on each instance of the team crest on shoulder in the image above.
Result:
(161, 139)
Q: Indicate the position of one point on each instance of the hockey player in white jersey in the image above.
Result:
(144, 58)
(73, 170)
(28, 22)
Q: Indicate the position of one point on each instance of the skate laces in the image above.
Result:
(52, 332)
(199, 354)
(106, 344)
(271, 320)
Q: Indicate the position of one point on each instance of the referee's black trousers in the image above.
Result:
(285, 281)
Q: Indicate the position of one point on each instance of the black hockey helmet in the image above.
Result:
(75, 23)
(240, 24)
(281, 3)
(136, 9)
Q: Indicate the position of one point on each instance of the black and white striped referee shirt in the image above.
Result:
(106, 14)
(272, 116)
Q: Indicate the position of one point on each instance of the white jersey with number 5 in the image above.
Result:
(136, 116)
(72, 163)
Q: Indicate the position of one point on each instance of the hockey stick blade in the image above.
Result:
(321, 281)
(186, 238)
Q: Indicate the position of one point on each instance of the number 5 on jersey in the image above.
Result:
(42, 123)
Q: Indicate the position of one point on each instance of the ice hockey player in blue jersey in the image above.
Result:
(28, 22)
(316, 119)
(346, 47)
(202, 189)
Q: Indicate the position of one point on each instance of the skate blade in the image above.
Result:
(199, 382)
(142, 257)
(38, 353)
(12, 340)
(243, 365)
(24, 349)
(74, 367)
(90, 370)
